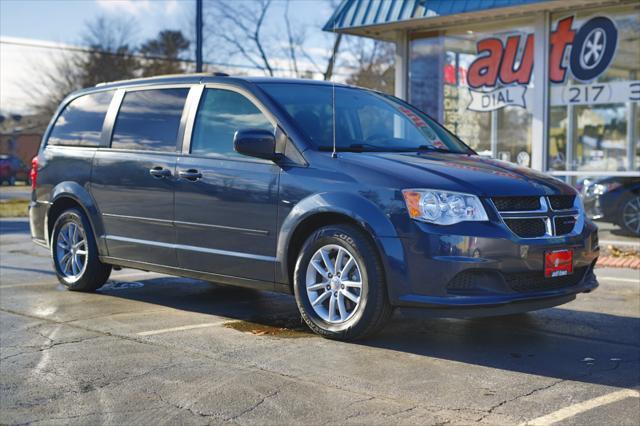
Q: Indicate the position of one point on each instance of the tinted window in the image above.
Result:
(365, 120)
(220, 115)
(80, 123)
(149, 120)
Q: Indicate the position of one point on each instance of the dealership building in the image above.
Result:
(552, 85)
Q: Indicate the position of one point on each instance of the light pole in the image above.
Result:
(198, 35)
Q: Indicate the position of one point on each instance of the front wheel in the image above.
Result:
(75, 254)
(339, 284)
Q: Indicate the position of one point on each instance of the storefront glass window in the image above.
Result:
(478, 82)
(594, 91)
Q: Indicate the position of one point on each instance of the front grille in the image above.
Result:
(516, 204)
(473, 281)
(527, 228)
(539, 217)
(524, 282)
(564, 224)
(561, 202)
(463, 281)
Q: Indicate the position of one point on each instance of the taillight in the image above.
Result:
(34, 172)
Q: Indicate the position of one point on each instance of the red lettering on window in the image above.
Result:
(508, 73)
(484, 70)
(559, 40)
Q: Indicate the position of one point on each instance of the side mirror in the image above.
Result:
(255, 143)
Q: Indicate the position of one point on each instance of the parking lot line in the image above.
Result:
(115, 277)
(184, 327)
(622, 280)
(581, 407)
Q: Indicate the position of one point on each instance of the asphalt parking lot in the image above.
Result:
(152, 349)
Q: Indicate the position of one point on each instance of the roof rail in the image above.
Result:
(158, 77)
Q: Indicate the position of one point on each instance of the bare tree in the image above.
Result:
(238, 24)
(373, 61)
(111, 55)
(57, 80)
(294, 41)
(108, 57)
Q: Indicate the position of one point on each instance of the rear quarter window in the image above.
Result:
(80, 123)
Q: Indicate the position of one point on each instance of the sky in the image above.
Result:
(62, 22)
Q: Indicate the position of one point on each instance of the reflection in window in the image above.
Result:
(601, 138)
(80, 124)
(595, 134)
(220, 115)
(439, 84)
(149, 120)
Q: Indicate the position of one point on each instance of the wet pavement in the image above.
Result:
(153, 349)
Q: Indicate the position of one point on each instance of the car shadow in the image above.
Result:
(559, 342)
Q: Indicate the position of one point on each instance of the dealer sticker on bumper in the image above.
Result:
(558, 263)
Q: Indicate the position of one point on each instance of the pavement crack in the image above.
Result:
(507, 401)
(254, 406)
(185, 407)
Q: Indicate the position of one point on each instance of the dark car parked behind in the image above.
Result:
(615, 200)
(354, 201)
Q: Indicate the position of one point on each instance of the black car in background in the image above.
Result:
(615, 200)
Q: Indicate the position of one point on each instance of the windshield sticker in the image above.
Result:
(426, 130)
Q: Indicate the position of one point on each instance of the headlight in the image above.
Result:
(443, 207)
(602, 188)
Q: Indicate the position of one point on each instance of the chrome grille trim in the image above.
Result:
(547, 214)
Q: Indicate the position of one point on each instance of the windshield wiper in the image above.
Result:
(358, 147)
(436, 149)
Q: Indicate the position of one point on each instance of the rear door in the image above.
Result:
(134, 179)
(226, 203)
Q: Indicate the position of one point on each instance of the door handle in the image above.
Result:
(159, 172)
(191, 174)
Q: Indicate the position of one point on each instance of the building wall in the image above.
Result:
(24, 146)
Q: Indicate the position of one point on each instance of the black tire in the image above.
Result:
(95, 273)
(373, 310)
(630, 207)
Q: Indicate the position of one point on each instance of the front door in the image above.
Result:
(133, 181)
(226, 203)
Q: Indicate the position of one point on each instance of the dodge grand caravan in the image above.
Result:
(352, 200)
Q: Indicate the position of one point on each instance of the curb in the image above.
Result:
(631, 262)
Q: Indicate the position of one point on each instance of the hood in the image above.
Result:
(462, 173)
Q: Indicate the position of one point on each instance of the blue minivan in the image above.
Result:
(354, 201)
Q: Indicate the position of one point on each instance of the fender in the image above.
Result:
(81, 195)
(368, 215)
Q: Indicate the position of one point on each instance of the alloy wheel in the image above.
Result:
(71, 251)
(631, 215)
(334, 283)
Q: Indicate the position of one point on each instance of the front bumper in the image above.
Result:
(462, 275)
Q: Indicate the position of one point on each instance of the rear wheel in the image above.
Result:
(75, 254)
(339, 284)
(630, 215)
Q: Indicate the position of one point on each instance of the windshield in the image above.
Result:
(365, 120)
